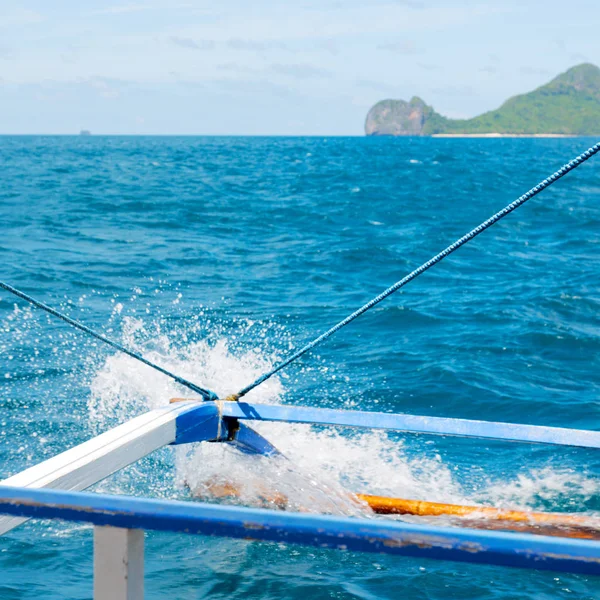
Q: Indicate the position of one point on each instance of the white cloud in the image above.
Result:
(295, 23)
(19, 18)
(6, 52)
(400, 47)
(123, 9)
(299, 71)
(192, 44)
(534, 71)
(256, 45)
(104, 88)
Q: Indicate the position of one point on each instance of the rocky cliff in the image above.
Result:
(397, 117)
(569, 105)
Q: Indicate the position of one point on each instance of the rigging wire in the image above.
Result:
(209, 395)
(206, 394)
(424, 267)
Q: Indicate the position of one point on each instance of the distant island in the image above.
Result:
(568, 105)
(85, 132)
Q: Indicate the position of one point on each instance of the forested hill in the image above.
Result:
(569, 105)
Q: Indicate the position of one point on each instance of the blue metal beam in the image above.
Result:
(199, 424)
(413, 424)
(363, 535)
(248, 441)
(204, 422)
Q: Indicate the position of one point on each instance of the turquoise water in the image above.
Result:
(216, 256)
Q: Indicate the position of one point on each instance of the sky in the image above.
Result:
(267, 67)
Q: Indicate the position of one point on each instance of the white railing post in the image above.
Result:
(94, 460)
(118, 564)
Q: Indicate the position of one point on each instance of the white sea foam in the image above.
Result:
(323, 462)
(123, 386)
(546, 486)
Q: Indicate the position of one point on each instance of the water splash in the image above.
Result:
(122, 386)
(548, 488)
(324, 463)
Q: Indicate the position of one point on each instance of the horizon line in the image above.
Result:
(312, 135)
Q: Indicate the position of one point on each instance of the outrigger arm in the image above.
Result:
(186, 422)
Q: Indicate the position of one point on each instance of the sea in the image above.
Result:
(216, 257)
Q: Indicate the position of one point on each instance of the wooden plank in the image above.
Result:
(118, 564)
(94, 460)
(323, 531)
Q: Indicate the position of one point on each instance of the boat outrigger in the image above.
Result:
(54, 488)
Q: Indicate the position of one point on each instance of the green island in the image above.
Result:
(567, 105)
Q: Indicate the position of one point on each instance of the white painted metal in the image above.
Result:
(118, 564)
(94, 460)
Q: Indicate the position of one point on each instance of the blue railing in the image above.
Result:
(50, 490)
(362, 535)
